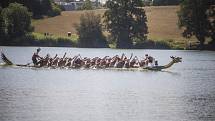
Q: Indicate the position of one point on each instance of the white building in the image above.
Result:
(70, 5)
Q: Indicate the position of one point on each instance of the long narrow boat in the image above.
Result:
(174, 60)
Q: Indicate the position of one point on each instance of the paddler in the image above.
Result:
(36, 57)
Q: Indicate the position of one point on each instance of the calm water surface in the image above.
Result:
(185, 92)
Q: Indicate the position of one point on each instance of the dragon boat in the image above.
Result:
(174, 60)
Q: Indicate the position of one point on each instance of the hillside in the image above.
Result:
(162, 23)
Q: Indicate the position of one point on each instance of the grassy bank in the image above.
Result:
(53, 40)
(37, 39)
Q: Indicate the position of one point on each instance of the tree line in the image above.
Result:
(38, 8)
(126, 21)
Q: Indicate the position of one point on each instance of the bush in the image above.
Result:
(62, 8)
(2, 27)
(149, 44)
(36, 39)
(42, 40)
(90, 31)
(87, 5)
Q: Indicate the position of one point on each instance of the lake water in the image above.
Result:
(185, 92)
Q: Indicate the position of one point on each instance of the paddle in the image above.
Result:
(64, 55)
(131, 56)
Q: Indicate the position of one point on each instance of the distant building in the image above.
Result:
(70, 5)
(148, 2)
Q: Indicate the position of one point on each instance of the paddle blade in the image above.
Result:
(5, 59)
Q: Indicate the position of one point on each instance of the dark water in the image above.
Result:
(185, 92)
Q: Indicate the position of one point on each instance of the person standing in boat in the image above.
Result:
(149, 61)
(36, 58)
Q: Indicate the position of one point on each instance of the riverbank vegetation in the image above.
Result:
(15, 22)
(38, 8)
(16, 30)
(90, 31)
(196, 17)
(37, 39)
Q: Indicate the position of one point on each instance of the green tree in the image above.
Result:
(193, 18)
(54, 11)
(211, 12)
(18, 20)
(46, 6)
(87, 5)
(2, 26)
(33, 5)
(126, 21)
(37, 7)
(90, 31)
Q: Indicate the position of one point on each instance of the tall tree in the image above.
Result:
(126, 21)
(2, 26)
(4, 3)
(18, 20)
(90, 31)
(212, 20)
(37, 7)
(211, 17)
(213, 31)
(193, 18)
(46, 6)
